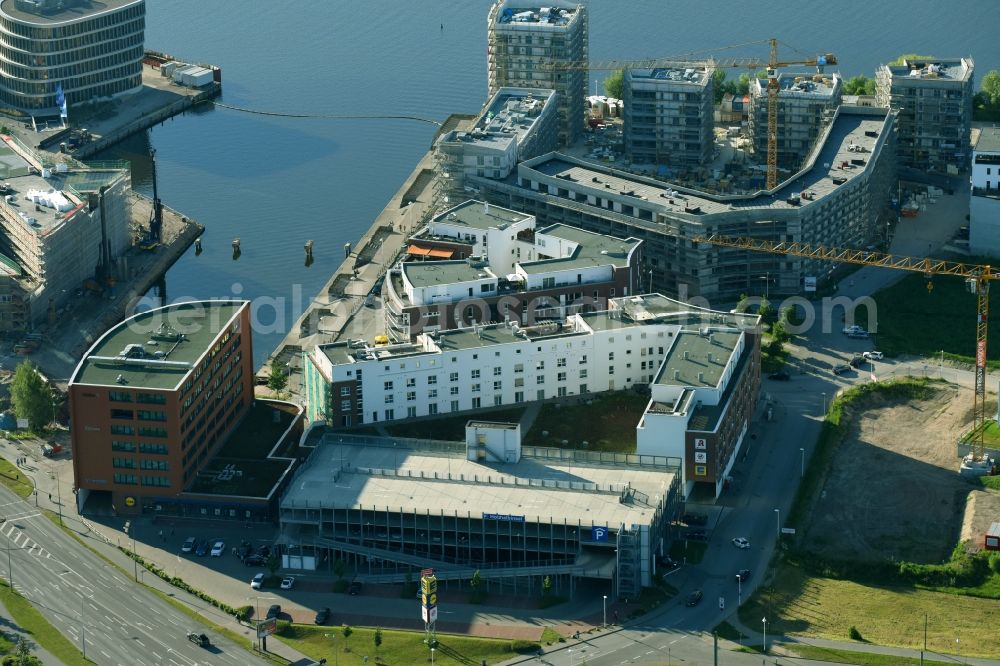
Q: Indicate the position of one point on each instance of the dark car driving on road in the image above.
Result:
(780, 376)
(694, 598)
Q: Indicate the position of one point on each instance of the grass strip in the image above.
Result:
(14, 478)
(33, 623)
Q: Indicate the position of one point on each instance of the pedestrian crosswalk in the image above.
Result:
(19, 539)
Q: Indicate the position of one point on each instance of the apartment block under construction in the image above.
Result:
(524, 40)
(934, 99)
(60, 228)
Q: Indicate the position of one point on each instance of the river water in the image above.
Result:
(277, 182)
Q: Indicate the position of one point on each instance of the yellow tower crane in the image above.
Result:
(770, 66)
(977, 280)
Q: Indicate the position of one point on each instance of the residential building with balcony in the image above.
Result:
(701, 366)
(840, 196)
(984, 205)
(934, 100)
(524, 41)
(93, 50)
(668, 116)
(494, 265)
(806, 104)
(516, 124)
(154, 398)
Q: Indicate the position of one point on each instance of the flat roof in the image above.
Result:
(516, 13)
(592, 250)
(933, 69)
(480, 336)
(69, 10)
(697, 360)
(693, 75)
(803, 84)
(430, 273)
(404, 490)
(198, 322)
(849, 128)
(989, 140)
(510, 114)
(479, 215)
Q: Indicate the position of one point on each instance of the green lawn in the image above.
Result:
(860, 658)
(806, 605)
(991, 434)
(25, 616)
(14, 479)
(607, 424)
(450, 428)
(399, 648)
(914, 320)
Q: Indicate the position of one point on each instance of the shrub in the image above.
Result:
(243, 613)
(284, 628)
(995, 562)
(855, 634)
(525, 647)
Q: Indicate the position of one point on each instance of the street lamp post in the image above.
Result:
(605, 611)
(764, 620)
(802, 467)
(130, 531)
(336, 657)
(777, 522)
(824, 403)
(739, 591)
(432, 656)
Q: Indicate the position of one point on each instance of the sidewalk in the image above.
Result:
(11, 630)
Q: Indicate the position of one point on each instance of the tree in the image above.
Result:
(719, 87)
(377, 640)
(991, 86)
(743, 303)
(339, 568)
(347, 631)
(31, 397)
(279, 378)
(273, 563)
(23, 652)
(546, 586)
(614, 85)
(779, 332)
(476, 583)
(859, 85)
(765, 310)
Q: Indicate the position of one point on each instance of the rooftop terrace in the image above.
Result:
(929, 69)
(156, 349)
(592, 250)
(479, 216)
(554, 13)
(695, 76)
(431, 273)
(511, 115)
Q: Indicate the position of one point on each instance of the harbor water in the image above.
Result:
(276, 183)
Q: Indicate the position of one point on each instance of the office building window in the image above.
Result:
(125, 479)
(475, 374)
(122, 430)
(159, 465)
(151, 398)
(345, 391)
(432, 380)
(148, 431)
(119, 396)
(124, 414)
(159, 449)
(411, 395)
(387, 386)
(389, 399)
(123, 463)
(117, 445)
(411, 382)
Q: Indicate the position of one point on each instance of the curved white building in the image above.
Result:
(92, 48)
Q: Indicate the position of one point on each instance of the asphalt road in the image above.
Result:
(86, 598)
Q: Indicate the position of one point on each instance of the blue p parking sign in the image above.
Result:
(598, 533)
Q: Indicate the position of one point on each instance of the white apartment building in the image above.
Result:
(984, 205)
(702, 368)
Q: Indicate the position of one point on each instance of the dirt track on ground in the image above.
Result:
(893, 490)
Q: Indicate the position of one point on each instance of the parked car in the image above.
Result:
(857, 361)
(841, 369)
(780, 376)
(323, 616)
(254, 561)
(287, 583)
(273, 611)
(201, 549)
(695, 519)
(199, 639)
(668, 563)
(742, 575)
(264, 551)
(873, 355)
(741, 542)
(696, 535)
(218, 548)
(257, 582)
(354, 589)
(694, 598)
(189, 545)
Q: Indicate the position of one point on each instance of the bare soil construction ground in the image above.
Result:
(893, 490)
